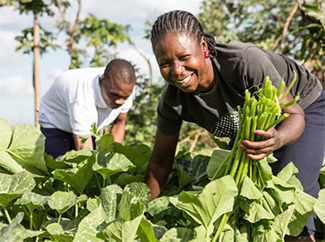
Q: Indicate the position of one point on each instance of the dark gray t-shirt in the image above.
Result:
(237, 67)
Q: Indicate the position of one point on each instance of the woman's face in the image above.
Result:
(181, 62)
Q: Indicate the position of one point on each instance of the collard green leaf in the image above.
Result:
(249, 190)
(62, 201)
(6, 133)
(273, 205)
(13, 186)
(89, 227)
(217, 157)
(16, 232)
(111, 164)
(121, 231)
(77, 177)
(110, 197)
(319, 207)
(33, 201)
(27, 148)
(216, 199)
(178, 235)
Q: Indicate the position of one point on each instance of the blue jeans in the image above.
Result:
(58, 142)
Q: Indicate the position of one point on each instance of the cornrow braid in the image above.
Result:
(181, 22)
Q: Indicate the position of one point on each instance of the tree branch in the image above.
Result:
(286, 25)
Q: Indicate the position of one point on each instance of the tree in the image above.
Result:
(99, 35)
(36, 40)
(271, 25)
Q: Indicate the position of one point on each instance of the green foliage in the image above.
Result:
(26, 41)
(75, 203)
(264, 23)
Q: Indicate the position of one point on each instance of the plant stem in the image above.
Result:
(76, 206)
(7, 215)
(221, 226)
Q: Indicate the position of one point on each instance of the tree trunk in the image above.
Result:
(36, 75)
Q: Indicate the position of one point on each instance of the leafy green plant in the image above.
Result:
(98, 195)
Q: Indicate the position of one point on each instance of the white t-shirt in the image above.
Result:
(74, 103)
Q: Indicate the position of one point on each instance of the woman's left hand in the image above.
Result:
(257, 150)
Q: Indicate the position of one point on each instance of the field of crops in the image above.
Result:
(98, 195)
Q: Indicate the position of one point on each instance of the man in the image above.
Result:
(79, 98)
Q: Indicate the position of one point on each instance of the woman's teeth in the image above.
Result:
(184, 80)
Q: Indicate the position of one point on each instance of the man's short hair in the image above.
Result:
(121, 70)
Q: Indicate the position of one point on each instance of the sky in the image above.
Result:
(16, 88)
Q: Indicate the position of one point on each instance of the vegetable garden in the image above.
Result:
(99, 195)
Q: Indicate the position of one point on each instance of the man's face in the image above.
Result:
(114, 91)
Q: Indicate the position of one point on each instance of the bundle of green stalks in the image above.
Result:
(262, 110)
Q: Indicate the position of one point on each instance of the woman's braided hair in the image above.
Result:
(181, 22)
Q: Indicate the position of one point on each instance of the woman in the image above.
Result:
(205, 81)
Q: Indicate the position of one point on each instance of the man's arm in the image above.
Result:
(80, 145)
(118, 127)
(160, 162)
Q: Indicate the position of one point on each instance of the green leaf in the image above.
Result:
(178, 235)
(16, 232)
(104, 143)
(27, 149)
(89, 226)
(249, 190)
(33, 201)
(62, 201)
(74, 156)
(281, 222)
(287, 172)
(93, 203)
(56, 231)
(8, 163)
(137, 154)
(319, 207)
(6, 132)
(158, 205)
(77, 177)
(121, 231)
(110, 197)
(146, 231)
(216, 199)
(263, 233)
(255, 211)
(13, 186)
(140, 191)
(304, 204)
(217, 157)
(111, 164)
(130, 206)
(191, 170)
(126, 178)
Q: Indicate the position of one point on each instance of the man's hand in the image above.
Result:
(118, 127)
(80, 145)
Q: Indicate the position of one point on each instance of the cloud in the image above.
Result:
(16, 85)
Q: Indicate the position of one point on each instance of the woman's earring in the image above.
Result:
(206, 54)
